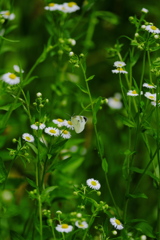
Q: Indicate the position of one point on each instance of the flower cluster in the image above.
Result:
(68, 7)
(7, 15)
(119, 67)
(12, 78)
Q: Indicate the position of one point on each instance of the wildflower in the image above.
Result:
(17, 69)
(38, 125)
(52, 7)
(68, 124)
(28, 137)
(132, 93)
(39, 94)
(82, 225)
(60, 122)
(71, 54)
(64, 228)
(143, 237)
(154, 103)
(116, 223)
(94, 184)
(114, 102)
(144, 10)
(119, 70)
(150, 96)
(152, 29)
(114, 232)
(52, 131)
(72, 41)
(149, 85)
(119, 64)
(10, 78)
(69, 7)
(65, 134)
(7, 15)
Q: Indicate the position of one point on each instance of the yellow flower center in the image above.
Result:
(153, 28)
(120, 69)
(93, 183)
(71, 4)
(65, 132)
(64, 225)
(28, 138)
(59, 120)
(134, 92)
(7, 13)
(51, 4)
(151, 97)
(70, 123)
(118, 222)
(12, 76)
(52, 131)
(81, 224)
(116, 99)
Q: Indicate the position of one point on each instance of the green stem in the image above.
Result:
(97, 138)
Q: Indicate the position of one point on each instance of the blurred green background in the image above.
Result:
(94, 33)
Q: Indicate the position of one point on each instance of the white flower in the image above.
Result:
(148, 85)
(69, 7)
(71, 54)
(144, 10)
(119, 70)
(143, 237)
(150, 96)
(17, 69)
(28, 137)
(94, 184)
(10, 78)
(65, 134)
(64, 228)
(116, 223)
(152, 29)
(154, 103)
(72, 41)
(52, 131)
(68, 124)
(7, 15)
(60, 122)
(132, 93)
(119, 64)
(38, 125)
(52, 7)
(114, 102)
(82, 225)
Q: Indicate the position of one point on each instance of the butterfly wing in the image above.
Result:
(78, 123)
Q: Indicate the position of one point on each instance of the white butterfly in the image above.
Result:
(78, 123)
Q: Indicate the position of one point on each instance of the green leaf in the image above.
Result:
(145, 228)
(3, 172)
(141, 171)
(82, 88)
(108, 16)
(29, 80)
(8, 106)
(105, 165)
(128, 122)
(137, 195)
(47, 191)
(90, 78)
(31, 182)
(96, 108)
(33, 147)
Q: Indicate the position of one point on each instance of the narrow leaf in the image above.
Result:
(90, 78)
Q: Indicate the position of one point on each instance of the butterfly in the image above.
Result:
(79, 123)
